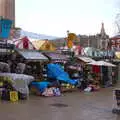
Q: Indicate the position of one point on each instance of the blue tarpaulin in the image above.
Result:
(5, 26)
(41, 86)
(55, 71)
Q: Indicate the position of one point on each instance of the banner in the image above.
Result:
(72, 36)
(5, 26)
(70, 43)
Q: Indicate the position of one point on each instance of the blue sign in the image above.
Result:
(5, 26)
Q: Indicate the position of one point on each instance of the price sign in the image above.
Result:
(13, 96)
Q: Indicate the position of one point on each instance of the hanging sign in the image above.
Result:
(72, 36)
(69, 43)
(5, 27)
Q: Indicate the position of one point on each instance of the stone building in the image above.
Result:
(99, 41)
(102, 38)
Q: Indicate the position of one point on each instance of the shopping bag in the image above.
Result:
(48, 92)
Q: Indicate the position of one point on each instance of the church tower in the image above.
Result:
(7, 10)
(104, 39)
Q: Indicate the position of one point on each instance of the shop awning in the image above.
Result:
(32, 55)
(102, 63)
(85, 59)
(56, 56)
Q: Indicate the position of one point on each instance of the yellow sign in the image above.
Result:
(69, 43)
(13, 96)
(72, 36)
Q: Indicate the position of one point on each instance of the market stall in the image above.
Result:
(55, 57)
(91, 52)
(44, 45)
(6, 49)
(14, 86)
(103, 72)
(33, 60)
(24, 43)
(84, 59)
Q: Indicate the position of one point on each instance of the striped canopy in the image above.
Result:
(24, 43)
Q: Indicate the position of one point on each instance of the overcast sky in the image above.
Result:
(55, 17)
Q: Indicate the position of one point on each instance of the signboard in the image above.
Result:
(13, 96)
(69, 43)
(72, 36)
(5, 26)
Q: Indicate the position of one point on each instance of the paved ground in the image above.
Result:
(77, 106)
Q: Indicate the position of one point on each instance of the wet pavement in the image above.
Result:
(70, 106)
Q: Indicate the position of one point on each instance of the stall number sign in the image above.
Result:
(13, 96)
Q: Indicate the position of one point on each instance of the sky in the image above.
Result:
(55, 17)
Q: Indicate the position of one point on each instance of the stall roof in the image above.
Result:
(4, 45)
(32, 55)
(85, 59)
(56, 56)
(102, 63)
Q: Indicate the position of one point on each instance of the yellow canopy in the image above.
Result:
(44, 45)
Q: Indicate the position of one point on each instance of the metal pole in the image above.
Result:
(88, 41)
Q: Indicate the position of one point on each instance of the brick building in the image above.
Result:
(115, 42)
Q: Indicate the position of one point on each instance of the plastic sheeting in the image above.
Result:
(19, 81)
(55, 71)
(41, 86)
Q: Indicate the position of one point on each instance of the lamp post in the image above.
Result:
(88, 41)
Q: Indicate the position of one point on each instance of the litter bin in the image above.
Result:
(116, 98)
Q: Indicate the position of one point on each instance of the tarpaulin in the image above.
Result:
(55, 71)
(19, 81)
(41, 86)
